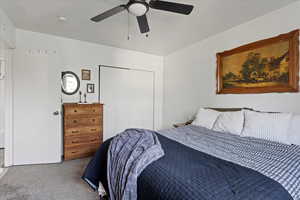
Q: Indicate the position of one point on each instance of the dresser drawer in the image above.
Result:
(89, 110)
(83, 130)
(77, 122)
(80, 151)
(93, 138)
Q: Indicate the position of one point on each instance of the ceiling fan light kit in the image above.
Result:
(139, 8)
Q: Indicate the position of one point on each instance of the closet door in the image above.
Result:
(128, 97)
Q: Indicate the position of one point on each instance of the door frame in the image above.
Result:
(154, 125)
(8, 117)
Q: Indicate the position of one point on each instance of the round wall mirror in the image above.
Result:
(70, 83)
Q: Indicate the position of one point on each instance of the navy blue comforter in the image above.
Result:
(187, 174)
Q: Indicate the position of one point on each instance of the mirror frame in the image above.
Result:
(77, 78)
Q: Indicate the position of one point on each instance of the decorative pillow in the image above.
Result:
(294, 130)
(230, 122)
(206, 118)
(268, 126)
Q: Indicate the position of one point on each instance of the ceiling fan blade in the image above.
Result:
(143, 24)
(108, 13)
(171, 7)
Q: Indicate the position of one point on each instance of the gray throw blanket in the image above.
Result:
(129, 154)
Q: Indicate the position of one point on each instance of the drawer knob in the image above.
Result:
(75, 110)
(75, 121)
(93, 129)
(75, 131)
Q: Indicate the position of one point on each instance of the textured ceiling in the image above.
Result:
(169, 32)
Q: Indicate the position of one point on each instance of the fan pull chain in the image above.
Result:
(147, 35)
(128, 33)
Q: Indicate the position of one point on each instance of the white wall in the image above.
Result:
(76, 55)
(190, 73)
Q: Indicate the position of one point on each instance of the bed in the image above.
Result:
(202, 164)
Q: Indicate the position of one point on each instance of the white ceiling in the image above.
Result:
(169, 31)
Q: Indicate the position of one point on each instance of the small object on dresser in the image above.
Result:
(80, 93)
(85, 98)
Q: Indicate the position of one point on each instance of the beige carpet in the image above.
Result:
(46, 182)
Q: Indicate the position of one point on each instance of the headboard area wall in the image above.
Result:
(190, 73)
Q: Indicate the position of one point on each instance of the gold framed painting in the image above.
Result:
(270, 65)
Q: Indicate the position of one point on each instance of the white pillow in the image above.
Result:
(206, 118)
(268, 126)
(294, 130)
(230, 122)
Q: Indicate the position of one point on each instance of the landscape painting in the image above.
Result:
(270, 65)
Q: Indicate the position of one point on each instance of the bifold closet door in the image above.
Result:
(128, 97)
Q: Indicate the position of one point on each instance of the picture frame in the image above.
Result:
(265, 66)
(90, 88)
(86, 74)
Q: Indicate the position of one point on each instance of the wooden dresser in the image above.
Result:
(83, 129)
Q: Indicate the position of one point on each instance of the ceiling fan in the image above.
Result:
(139, 8)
